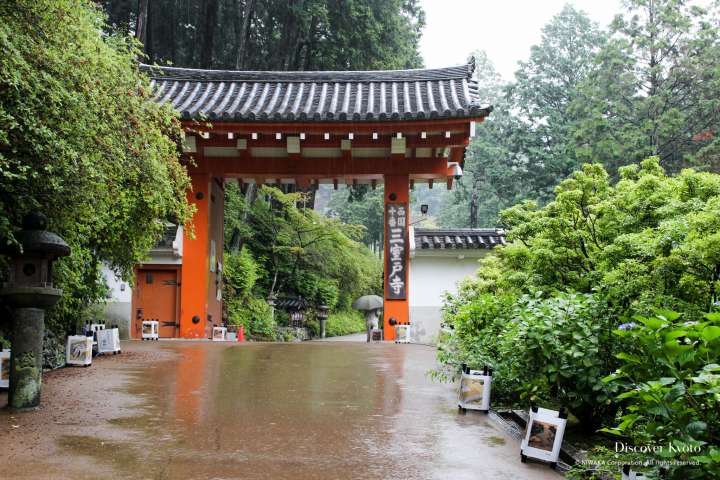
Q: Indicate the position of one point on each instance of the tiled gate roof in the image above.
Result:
(433, 238)
(227, 95)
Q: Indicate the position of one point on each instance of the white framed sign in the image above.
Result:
(79, 350)
(543, 435)
(219, 334)
(5, 368)
(108, 340)
(475, 389)
(402, 333)
(96, 327)
(150, 330)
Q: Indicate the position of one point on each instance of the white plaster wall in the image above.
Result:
(118, 306)
(120, 290)
(430, 278)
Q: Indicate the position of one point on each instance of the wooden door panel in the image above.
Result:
(157, 297)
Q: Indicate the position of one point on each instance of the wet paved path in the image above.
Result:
(316, 410)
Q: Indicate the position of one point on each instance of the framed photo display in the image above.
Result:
(219, 334)
(402, 333)
(544, 435)
(150, 330)
(96, 327)
(79, 350)
(5, 368)
(108, 340)
(475, 388)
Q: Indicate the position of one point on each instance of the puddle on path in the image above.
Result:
(300, 411)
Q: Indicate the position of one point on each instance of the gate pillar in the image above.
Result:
(196, 262)
(396, 265)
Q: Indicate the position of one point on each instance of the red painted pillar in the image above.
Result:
(195, 262)
(396, 252)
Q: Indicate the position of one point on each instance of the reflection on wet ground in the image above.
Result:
(300, 411)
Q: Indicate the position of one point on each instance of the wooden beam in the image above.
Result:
(392, 127)
(436, 141)
(317, 167)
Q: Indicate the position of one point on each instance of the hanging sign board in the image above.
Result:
(396, 245)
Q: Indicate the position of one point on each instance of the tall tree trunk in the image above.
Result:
(173, 30)
(474, 210)
(289, 33)
(250, 196)
(141, 26)
(149, 44)
(208, 33)
(309, 44)
(242, 34)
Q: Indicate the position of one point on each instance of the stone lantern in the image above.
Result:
(322, 316)
(29, 291)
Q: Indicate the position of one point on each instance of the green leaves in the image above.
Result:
(294, 251)
(652, 83)
(710, 333)
(82, 141)
(671, 388)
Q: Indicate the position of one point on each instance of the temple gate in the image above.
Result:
(308, 128)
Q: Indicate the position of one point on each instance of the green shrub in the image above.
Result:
(599, 252)
(476, 326)
(327, 293)
(299, 252)
(282, 318)
(670, 379)
(256, 318)
(317, 290)
(554, 349)
(240, 273)
(313, 327)
(560, 348)
(344, 323)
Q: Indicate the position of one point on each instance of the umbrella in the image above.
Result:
(368, 302)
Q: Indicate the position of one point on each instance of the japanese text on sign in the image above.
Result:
(396, 244)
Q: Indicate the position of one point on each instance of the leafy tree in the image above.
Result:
(543, 92)
(654, 91)
(300, 252)
(600, 252)
(82, 141)
(525, 147)
(670, 379)
(488, 184)
(277, 35)
(648, 241)
(361, 206)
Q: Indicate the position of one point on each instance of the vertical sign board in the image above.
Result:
(396, 244)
